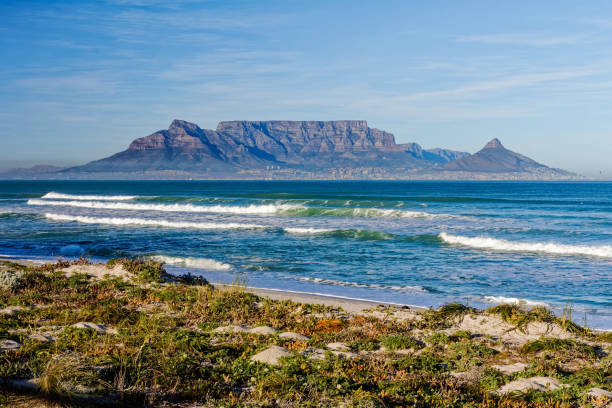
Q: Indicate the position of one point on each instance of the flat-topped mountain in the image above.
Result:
(260, 144)
(337, 149)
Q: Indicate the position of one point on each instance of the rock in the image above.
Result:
(338, 347)
(344, 354)
(263, 330)
(6, 345)
(25, 383)
(600, 395)
(533, 383)
(509, 369)
(40, 337)
(314, 353)
(293, 336)
(100, 328)
(271, 355)
(230, 329)
(11, 310)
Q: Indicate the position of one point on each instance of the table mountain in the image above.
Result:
(260, 144)
(301, 149)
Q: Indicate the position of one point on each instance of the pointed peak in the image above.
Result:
(494, 144)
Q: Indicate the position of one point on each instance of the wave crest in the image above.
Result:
(251, 209)
(604, 251)
(513, 301)
(401, 288)
(150, 222)
(61, 196)
(191, 262)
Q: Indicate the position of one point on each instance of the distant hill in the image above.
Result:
(343, 149)
(495, 158)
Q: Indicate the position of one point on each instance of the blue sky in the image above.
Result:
(80, 80)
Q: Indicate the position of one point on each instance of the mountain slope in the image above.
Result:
(495, 158)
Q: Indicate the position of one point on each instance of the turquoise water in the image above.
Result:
(419, 243)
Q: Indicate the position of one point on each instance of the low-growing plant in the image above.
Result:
(146, 270)
(11, 280)
(398, 342)
(556, 344)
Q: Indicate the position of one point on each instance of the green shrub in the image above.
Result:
(399, 342)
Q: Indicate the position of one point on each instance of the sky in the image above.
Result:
(81, 80)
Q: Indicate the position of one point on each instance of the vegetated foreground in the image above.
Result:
(129, 334)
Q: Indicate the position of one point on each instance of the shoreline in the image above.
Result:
(348, 303)
(170, 340)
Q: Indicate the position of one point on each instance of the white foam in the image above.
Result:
(604, 251)
(402, 288)
(190, 262)
(251, 209)
(513, 301)
(61, 196)
(297, 230)
(150, 222)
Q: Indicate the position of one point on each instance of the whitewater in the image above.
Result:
(418, 243)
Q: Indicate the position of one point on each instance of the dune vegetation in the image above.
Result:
(71, 337)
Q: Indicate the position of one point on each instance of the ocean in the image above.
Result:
(410, 242)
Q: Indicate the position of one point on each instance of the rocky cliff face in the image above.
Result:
(247, 144)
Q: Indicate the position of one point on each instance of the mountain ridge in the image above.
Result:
(341, 149)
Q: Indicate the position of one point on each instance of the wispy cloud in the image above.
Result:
(523, 39)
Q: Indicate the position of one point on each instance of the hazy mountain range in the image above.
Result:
(345, 149)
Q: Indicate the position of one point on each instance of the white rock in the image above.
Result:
(509, 369)
(314, 353)
(11, 310)
(271, 355)
(600, 394)
(40, 337)
(263, 330)
(293, 336)
(533, 383)
(344, 354)
(230, 329)
(338, 346)
(6, 345)
(100, 328)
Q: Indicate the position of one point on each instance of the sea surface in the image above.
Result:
(416, 243)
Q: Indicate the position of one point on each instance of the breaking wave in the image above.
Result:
(291, 210)
(299, 211)
(191, 262)
(513, 301)
(402, 288)
(151, 222)
(604, 251)
(298, 230)
(251, 209)
(61, 196)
